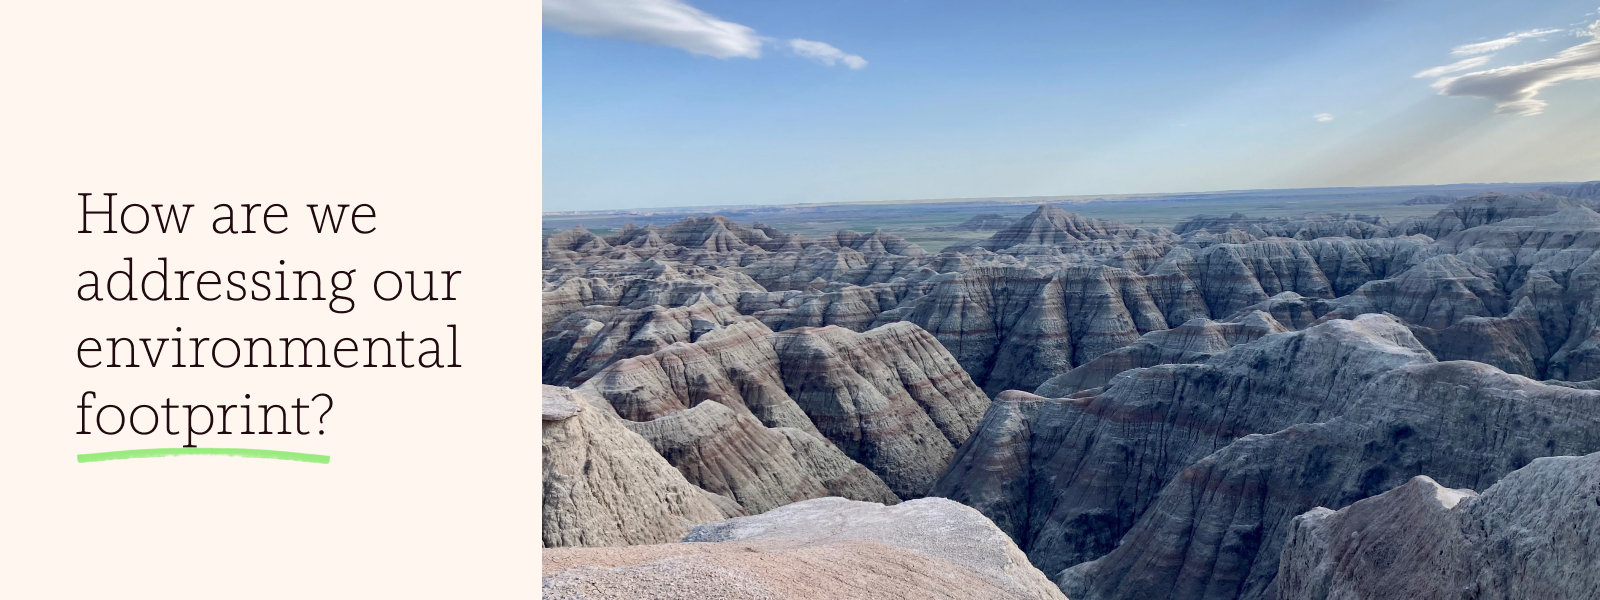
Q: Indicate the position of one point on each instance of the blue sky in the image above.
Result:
(651, 103)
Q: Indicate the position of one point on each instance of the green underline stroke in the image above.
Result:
(240, 452)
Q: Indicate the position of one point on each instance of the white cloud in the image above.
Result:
(662, 22)
(1515, 88)
(1322, 117)
(1457, 66)
(826, 53)
(1496, 45)
(676, 24)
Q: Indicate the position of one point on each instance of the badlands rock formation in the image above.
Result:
(756, 420)
(1069, 477)
(1486, 209)
(1430, 199)
(1216, 529)
(986, 222)
(1305, 228)
(1192, 342)
(891, 399)
(605, 485)
(1530, 535)
(824, 548)
(1197, 395)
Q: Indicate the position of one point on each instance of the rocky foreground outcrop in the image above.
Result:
(1530, 535)
(824, 548)
(605, 485)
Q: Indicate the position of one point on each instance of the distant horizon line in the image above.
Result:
(1025, 199)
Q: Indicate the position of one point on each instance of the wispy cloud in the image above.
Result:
(661, 22)
(675, 24)
(1455, 67)
(1322, 117)
(826, 54)
(1496, 45)
(1515, 88)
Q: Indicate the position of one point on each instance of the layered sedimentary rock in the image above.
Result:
(714, 234)
(817, 265)
(1289, 309)
(1428, 199)
(1582, 191)
(639, 283)
(734, 365)
(1198, 389)
(1484, 209)
(589, 339)
(891, 398)
(986, 222)
(1194, 341)
(1530, 535)
(1051, 292)
(1069, 477)
(824, 548)
(1302, 228)
(730, 453)
(855, 307)
(605, 486)
(1520, 294)
(1216, 530)
(1052, 226)
(1014, 327)
(878, 242)
(1437, 293)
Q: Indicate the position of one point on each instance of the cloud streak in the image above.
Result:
(1496, 45)
(826, 54)
(1515, 88)
(1455, 67)
(675, 24)
(1322, 117)
(660, 22)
